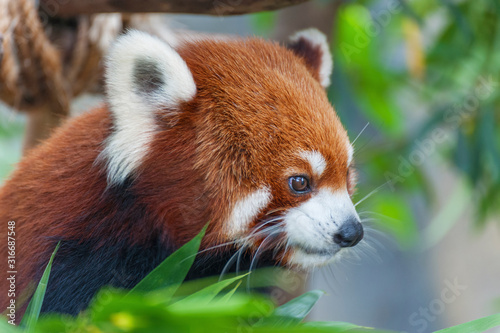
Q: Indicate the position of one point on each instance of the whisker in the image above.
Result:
(264, 224)
(279, 246)
(368, 123)
(325, 278)
(239, 260)
(366, 212)
(276, 210)
(335, 278)
(215, 247)
(230, 263)
(368, 219)
(369, 251)
(287, 245)
(255, 258)
(271, 229)
(379, 215)
(252, 234)
(262, 229)
(383, 244)
(349, 256)
(375, 232)
(371, 193)
(368, 223)
(237, 255)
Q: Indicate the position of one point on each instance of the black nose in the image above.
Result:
(349, 234)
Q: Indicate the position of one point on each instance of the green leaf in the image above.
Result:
(7, 328)
(173, 270)
(244, 305)
(140, 312)
(488, 132)
(297, 309)
(54, 322)
(460, 21)
(339, 326)
(207, 294)
(496, 304)
(317, 327)
(117, 311)
(230, 293)
(264, 22)
(475, 326)
(33, 311)
(360, 60)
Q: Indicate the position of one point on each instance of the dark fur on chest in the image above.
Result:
(82, 268)
(80, 271)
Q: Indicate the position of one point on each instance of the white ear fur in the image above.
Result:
(144, 76)
(313, 39)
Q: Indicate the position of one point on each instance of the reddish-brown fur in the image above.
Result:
(261, 121)
(257, 105)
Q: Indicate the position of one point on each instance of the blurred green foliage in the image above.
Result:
(11, 132)
(264, 22)
(154, 306)
(424, 75)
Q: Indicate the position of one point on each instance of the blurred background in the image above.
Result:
(416, 83)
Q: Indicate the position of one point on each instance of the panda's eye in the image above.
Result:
(299, 184)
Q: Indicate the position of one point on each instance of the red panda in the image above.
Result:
(236, 132)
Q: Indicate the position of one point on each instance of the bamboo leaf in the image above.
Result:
(32, 313)
(207, 294)
(297, 309)
(230, 294)
(173, 270)
(475, 326)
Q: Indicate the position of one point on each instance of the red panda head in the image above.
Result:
(269, 151)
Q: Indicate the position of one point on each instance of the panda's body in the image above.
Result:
(239, 133)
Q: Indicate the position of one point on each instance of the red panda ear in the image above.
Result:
(144, 77)
(312, 46)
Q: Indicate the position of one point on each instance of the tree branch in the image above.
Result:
(210, 7)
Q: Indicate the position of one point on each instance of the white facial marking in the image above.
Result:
(317, 38)
(310, 227)
(245, 210)
(306, 260)
(143, 76)
(316, 160)
(350, 153)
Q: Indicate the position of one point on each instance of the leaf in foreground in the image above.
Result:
(173, 270)
(294, 311)
(33, 311)
(209, 293)
(475, 326)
